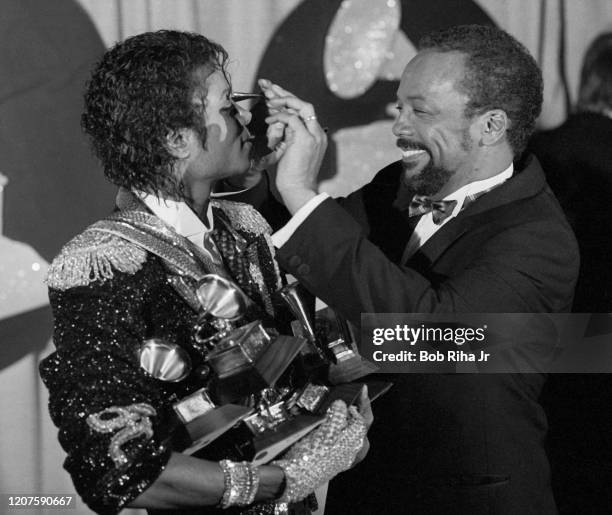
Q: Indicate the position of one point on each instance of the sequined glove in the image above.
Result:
(324, 453)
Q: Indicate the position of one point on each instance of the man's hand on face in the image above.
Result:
(302, 148)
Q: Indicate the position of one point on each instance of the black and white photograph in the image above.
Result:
(299, 257)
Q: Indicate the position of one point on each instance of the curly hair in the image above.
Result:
(595, 92)
(500, 74)
(139, 91)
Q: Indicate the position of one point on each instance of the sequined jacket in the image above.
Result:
(107, 296)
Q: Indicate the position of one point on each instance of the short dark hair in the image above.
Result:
(139, 91)
(500, 74)
(595, 93)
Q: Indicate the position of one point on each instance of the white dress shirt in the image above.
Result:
(180, 217)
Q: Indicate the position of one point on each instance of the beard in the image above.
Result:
(429, 181)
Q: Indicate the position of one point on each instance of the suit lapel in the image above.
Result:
(387, 226)
(435, 246)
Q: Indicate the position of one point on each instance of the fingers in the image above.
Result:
(352, 438)
(289, 120)
(279, 99)
(274, 141)
(294, 127)
(336, 421)
(299, 126)
(275, 134)
(271, 90)
(323, 437)
(303, 109)
(302, 149)
(354, 416)
(365, 448)
(365, 407)
(277, 153)
(356, 425)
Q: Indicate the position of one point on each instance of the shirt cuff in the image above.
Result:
(280, 237)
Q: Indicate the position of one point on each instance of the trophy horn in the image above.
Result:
(222, 302)
(221, 298)
(164, 360)
(292, 298)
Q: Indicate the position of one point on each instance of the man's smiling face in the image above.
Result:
(433, 133)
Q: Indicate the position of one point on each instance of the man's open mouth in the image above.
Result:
(410, 150)
(411, 154)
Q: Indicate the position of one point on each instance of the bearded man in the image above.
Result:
(461, 224)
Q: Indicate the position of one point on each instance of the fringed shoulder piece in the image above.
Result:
(243, 217)
(92, 256)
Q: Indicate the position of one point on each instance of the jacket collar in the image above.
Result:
(526, 182)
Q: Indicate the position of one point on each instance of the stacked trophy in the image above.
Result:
(261, 391)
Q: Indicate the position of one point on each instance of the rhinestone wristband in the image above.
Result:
(241, 481)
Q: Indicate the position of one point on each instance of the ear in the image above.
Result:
(494, 126)
(178, 142)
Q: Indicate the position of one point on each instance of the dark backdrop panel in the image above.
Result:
(56, 187)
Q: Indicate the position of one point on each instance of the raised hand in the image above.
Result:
(302, 148)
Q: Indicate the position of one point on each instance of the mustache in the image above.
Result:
(406, 144)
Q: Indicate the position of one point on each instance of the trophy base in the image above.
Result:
(210, 426)
(225, 434)
(271, 443)
(240, 444)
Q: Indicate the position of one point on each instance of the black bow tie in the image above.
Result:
(440, 209)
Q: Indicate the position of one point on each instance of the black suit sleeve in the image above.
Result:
(509, 273)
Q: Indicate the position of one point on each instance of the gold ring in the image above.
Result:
(309, 118)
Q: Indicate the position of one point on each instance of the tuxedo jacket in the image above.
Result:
(454, 443)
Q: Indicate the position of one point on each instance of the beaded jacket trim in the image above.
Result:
(96, 253)
(93, 256)
(243, 216)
